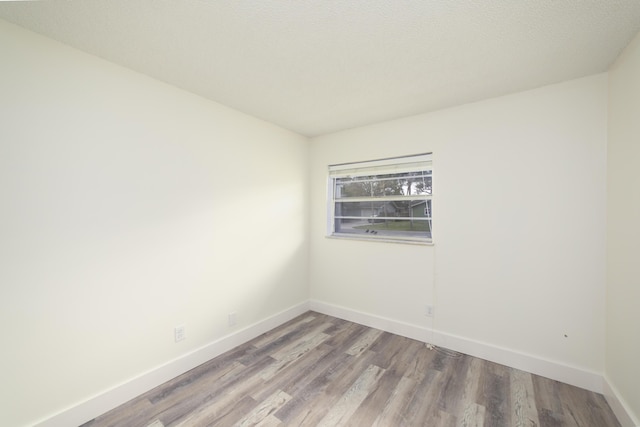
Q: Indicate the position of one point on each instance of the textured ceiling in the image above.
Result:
(320, 66)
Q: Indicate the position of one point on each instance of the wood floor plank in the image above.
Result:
(344, 335)
(368, 411)
(310, 386)
(217, 402)
(270, 421)
(396, 353)
(214, 411)
(591, 407)
(494, 395)
(284, 330)
(472, 416)
(310, 334)
(350, 401)
(266, 408)
(280, 342)
(175, 407)
(230, 415)
(444, 419)
(455, 382)
(364, 342)
(523, 405)
(290, 355)
(394, 411)
(320, 370)
(550, 412)
(418, 367)
(467, 409)
(424, 401)
(313, 402)
(170, 398)
(328, 367)
(298, 373)
(196, 383)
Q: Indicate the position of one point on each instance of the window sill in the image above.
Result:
(360, 237)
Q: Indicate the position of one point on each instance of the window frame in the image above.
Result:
(370, 171)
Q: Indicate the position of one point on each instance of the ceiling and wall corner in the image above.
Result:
(320, 67)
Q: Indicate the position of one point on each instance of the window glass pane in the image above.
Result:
(397, 228)
(385, 209)
(399, 184)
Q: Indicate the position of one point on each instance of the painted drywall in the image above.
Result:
(130, 207)
(518, 260)
(623, 229)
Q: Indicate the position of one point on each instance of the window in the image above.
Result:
(387, 199)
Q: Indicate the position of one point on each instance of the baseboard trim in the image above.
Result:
(109, 399)
(550, 369)
(618, 405)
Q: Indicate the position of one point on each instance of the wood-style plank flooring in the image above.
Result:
(317, 370)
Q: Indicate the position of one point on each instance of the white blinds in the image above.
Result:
(381, 167)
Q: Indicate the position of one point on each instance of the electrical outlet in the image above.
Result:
(232, 319)
(180, 333)
(428, 310)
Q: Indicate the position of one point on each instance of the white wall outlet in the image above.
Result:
(232, 318)
(428, 310)
(180, 333)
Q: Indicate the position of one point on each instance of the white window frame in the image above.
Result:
(395, 165)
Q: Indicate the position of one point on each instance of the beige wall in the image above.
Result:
(130, 207)
(519, 224)
(623, 229)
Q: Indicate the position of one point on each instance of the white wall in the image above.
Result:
(129, 207)
(124, 215)
(623, 229)
(519, 224)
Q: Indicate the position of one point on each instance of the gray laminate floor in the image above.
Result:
(317, 370)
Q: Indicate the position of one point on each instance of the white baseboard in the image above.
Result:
(618, 405)
(557, 371)
(109, 399)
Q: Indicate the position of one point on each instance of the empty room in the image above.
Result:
(336, 213)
